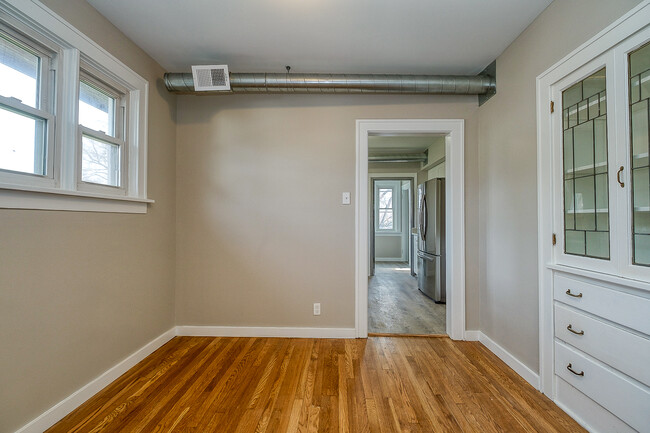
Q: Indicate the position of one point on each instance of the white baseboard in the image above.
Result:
(519, 367)
(251, 331)
(50, 417)
(472, 335)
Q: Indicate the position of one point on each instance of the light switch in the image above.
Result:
(345, 198)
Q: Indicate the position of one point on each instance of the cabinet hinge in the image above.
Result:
(552, 106)
(554, 239)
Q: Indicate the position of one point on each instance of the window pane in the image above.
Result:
(100, 162)
(586, 197)
(18, 72)
(96, 109)
(385, 219)
(22, 147)
(639, 130)
(385, 198)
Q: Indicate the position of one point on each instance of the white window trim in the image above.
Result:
(610, 37)
(76, 48)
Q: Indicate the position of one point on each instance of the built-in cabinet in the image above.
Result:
(594, 187)
(602, 350)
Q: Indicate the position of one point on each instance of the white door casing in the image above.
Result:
(455, 214)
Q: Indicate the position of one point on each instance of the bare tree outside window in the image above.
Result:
(100, 158)
(100, 162)
(385, 209)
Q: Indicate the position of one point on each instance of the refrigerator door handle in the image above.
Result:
(420, 219)
(425, 215)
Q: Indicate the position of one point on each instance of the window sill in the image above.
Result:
(377, 233)
(19, 197)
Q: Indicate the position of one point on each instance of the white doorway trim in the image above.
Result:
(455, 214)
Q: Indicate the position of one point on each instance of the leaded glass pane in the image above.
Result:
(575, 242)
(569, 207)
(600, 144)
(586, 197)
(598, 244)
(639, 132)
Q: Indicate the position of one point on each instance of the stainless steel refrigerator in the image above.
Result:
(431, 240)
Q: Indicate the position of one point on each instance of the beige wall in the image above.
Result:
(257, 232)
(439, 170)
(81, 291)
(394, 167)
(261, 233)
(388, 247)
(508, 167)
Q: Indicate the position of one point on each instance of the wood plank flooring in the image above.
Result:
(396, 306)
(275, 385)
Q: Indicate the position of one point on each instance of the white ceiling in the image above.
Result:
(336, 36)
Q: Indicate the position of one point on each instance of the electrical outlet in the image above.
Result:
(316, 309)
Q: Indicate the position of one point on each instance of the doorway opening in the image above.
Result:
(402, 298)
(370, 179)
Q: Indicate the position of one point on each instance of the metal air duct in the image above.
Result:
(341, 83)
(421, 157)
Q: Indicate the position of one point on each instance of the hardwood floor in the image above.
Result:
(396, 306)
(382, 384)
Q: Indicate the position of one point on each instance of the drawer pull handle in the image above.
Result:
(568, 292)
(574, 331)
(568, 367)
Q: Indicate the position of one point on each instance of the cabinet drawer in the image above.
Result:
(616, 393)
(621, 349)
(628, 310)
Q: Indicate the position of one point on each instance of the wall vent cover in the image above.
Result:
(210, 77)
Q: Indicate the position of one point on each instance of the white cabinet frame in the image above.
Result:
(549, 83)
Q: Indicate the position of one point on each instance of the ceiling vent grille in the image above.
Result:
(210, 77)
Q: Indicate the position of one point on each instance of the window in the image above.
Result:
(73, 119)
(385, 209)
(602, 175)
(25, 111)
(101, 128)
(387, 205)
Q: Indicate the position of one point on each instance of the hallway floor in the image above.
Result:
(396, 306)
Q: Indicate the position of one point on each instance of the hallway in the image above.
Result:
(396, 306)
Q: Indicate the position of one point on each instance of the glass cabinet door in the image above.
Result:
(585, 169)
(639, 77)
(594, 148)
